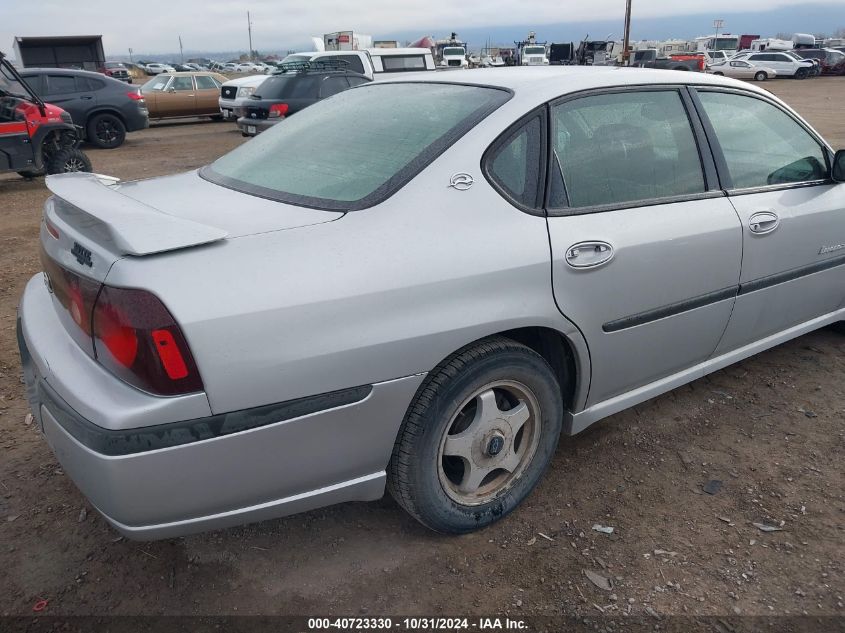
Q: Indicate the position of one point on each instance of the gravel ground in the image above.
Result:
(771, 429)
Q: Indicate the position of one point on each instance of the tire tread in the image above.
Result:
(403, 456)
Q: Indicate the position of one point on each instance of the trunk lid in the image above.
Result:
(91, 221)
(100, 219)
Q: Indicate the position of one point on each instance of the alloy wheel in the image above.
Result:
(489, 442)
(106, 131)
(73, 164)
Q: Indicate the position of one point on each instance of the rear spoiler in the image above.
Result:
(133, 227)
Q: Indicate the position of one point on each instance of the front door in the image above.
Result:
(793, 216)
(178, 98)
(646, 250)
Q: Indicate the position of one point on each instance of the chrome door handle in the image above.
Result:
(763, 222)
(589, 254)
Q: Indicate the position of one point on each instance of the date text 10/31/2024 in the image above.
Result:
(417, 624)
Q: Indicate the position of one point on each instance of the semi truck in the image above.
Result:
(451, 52)
(530, 52)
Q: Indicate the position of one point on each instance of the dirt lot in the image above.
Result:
(772, 429)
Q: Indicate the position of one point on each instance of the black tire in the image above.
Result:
(720, 74)
(801, 73)
(106, 131)
(417, 466)
(217, 117)
(30, 173)
(68, 160)
(761, 76)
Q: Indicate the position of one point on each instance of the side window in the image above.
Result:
(87, 84)
(514, 165)
(35, 82)
(353, 62)
(398, 63)
(623, 147)
(60, 84)
(333, 85)
(357, 81)
(183, 82)
(205, 82)
(762, 145)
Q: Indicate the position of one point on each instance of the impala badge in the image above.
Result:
(461, 181)
(82, 254)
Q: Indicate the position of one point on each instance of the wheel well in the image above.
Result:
(556, 349)
(103, 111)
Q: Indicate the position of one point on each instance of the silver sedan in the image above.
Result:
(420, 284)
(740, 69)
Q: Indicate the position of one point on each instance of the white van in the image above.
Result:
(374, 61)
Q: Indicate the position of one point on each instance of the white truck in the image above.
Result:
(530, 52)
(451, 53)
(454, 57)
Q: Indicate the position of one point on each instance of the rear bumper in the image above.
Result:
(260, 125)
(135, 118)
(161, 481)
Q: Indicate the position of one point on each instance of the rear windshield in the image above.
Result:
(293, 86)
(357, 148)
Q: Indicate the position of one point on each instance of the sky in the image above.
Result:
(153, 26)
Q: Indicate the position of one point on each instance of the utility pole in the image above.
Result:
(181, 54)
(249, 28)
(626, 39)
(130, 57)
(717, 24)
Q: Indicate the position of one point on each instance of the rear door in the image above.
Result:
(208, 90)
(646, 250)
(776, 172)
(75, 97)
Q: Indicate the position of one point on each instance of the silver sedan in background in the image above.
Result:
(420, 283)
(741, 69)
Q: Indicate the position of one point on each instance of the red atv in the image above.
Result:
(35, 137)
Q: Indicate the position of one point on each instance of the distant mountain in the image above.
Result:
(801, 18)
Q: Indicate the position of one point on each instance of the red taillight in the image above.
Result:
(75, 294)
(135, 95)
(278, 109)
(169, 354)
(137, 339)
(118, 335)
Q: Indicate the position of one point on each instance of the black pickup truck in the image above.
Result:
(649, 59)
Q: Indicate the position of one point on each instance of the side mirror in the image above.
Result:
(171, 90)
(838, 171)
